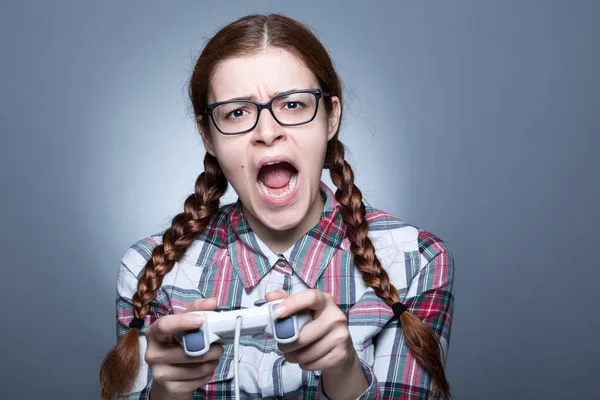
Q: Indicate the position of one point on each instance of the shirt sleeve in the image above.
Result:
(132, 265)
(371, 393)
(429, 297)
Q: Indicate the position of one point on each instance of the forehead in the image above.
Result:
(260, 75)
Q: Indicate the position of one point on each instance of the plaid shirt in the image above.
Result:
(229, 262)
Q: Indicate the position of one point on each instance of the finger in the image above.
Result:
(331, 322)
(276, 295)
(318, 349)
(174, 354)
(309, 299)
(203, 305)
(164, 328)
(312, 332)
(333, 359)
(183, 372)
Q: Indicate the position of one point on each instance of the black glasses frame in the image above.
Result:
(318, 93)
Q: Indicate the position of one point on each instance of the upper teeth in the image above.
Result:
(274, 162)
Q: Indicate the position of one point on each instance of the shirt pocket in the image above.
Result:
(366, 319)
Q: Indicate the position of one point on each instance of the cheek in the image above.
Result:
(228, 153)
(314, 144)
(235, 171)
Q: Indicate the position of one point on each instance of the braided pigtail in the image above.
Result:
(121, 365)
(421, 340)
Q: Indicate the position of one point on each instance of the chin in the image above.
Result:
(284, 220)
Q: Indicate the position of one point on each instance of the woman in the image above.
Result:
(357, 269)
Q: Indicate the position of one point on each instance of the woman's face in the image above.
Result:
(274, 169)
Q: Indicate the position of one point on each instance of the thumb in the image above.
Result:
(277, 295)
(203, 305)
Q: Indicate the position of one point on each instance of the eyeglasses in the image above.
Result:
(297, 107)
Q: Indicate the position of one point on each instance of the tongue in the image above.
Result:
(276, 175)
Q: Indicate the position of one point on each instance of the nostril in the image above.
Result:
(268, 132)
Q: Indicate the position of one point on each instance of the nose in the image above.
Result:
(268, 130)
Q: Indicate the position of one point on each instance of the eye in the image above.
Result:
(236, 113)
(293, 105)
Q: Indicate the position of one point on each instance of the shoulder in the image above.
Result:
(431, 247)
(214, 234)
(390, 233)
(395, 239)
(216, 231)
(138, 254)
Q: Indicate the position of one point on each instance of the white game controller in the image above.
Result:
(259, 322)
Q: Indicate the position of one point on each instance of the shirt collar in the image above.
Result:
(308, 257)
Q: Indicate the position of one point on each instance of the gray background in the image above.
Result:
(476, 120)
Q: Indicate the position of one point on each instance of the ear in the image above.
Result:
(206, 140)
(333, 121)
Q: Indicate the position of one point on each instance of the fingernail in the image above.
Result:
(197, 319)
(280, 310)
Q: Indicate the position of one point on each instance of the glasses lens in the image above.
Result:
(235, 117)
(295, 108)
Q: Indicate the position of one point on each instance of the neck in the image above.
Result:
(280, 241)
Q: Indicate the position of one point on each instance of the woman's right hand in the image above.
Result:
(175, 374)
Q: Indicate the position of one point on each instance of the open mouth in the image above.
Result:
(277, 179)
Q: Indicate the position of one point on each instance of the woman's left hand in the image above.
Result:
(324, 343)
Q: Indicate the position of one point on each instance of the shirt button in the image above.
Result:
(317, 373)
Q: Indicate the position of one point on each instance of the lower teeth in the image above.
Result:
(291, 186)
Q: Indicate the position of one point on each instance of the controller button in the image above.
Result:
(222, 308)
(194, 341)
(284, 328)
(260, 302)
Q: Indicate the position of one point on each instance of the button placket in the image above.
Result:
(287, 283)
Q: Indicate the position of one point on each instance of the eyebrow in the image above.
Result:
(253, 97)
